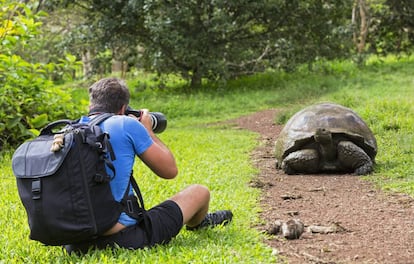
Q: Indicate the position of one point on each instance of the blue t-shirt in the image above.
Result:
(128, 138)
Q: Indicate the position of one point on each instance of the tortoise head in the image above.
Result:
(323, 136)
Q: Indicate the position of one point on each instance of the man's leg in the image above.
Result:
(193, 202)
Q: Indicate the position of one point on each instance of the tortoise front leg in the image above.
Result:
(354, 158)
(301, 161)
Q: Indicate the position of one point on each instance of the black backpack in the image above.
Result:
(63, 184)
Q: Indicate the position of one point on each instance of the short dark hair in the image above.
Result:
(108, 95)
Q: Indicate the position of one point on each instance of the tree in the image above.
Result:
(360, 20)
(217, 39)
(392, 27)
(313, 30)
(402, 16)
(194, 38)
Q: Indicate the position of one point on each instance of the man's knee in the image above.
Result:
(195, 193)
(200, 191)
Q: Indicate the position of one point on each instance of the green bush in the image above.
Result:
(28, 98)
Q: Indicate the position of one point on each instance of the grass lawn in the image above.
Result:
(218, 156)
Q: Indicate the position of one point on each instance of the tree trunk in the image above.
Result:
(361, 31)
(195, 79)
(87, 63)
(118, 64)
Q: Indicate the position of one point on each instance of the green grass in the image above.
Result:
(219, 156)
(202, 157)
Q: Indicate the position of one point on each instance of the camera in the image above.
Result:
(158, 120)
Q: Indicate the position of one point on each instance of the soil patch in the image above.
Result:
(376, 227)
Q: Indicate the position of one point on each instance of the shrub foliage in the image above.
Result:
(28, 98)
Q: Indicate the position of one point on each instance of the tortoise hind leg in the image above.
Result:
(354, 158)
(301, 161)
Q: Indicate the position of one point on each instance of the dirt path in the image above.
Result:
(378, 227)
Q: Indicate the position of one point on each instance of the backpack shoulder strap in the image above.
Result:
(137, 191)
(134, 206)
(105, 148)
(99, 119)
(141, 203)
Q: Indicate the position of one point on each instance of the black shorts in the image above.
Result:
(165, 222)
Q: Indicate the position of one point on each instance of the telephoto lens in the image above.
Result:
(159, 122)
(158, 119)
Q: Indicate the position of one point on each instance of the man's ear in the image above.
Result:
(122, 110)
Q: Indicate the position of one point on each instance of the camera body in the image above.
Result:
(158, 120)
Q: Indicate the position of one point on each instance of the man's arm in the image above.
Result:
(158, 157)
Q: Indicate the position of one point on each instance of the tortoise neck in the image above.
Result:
(326, 144)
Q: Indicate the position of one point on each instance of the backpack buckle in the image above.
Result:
(36, 189)
(99, 178)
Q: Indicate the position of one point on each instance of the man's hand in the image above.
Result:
(145, 119)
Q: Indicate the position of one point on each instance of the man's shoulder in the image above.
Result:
(124, 122)
(121, 118)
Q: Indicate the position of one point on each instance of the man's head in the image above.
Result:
(108, 95)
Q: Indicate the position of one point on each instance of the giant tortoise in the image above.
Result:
(326, 137)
